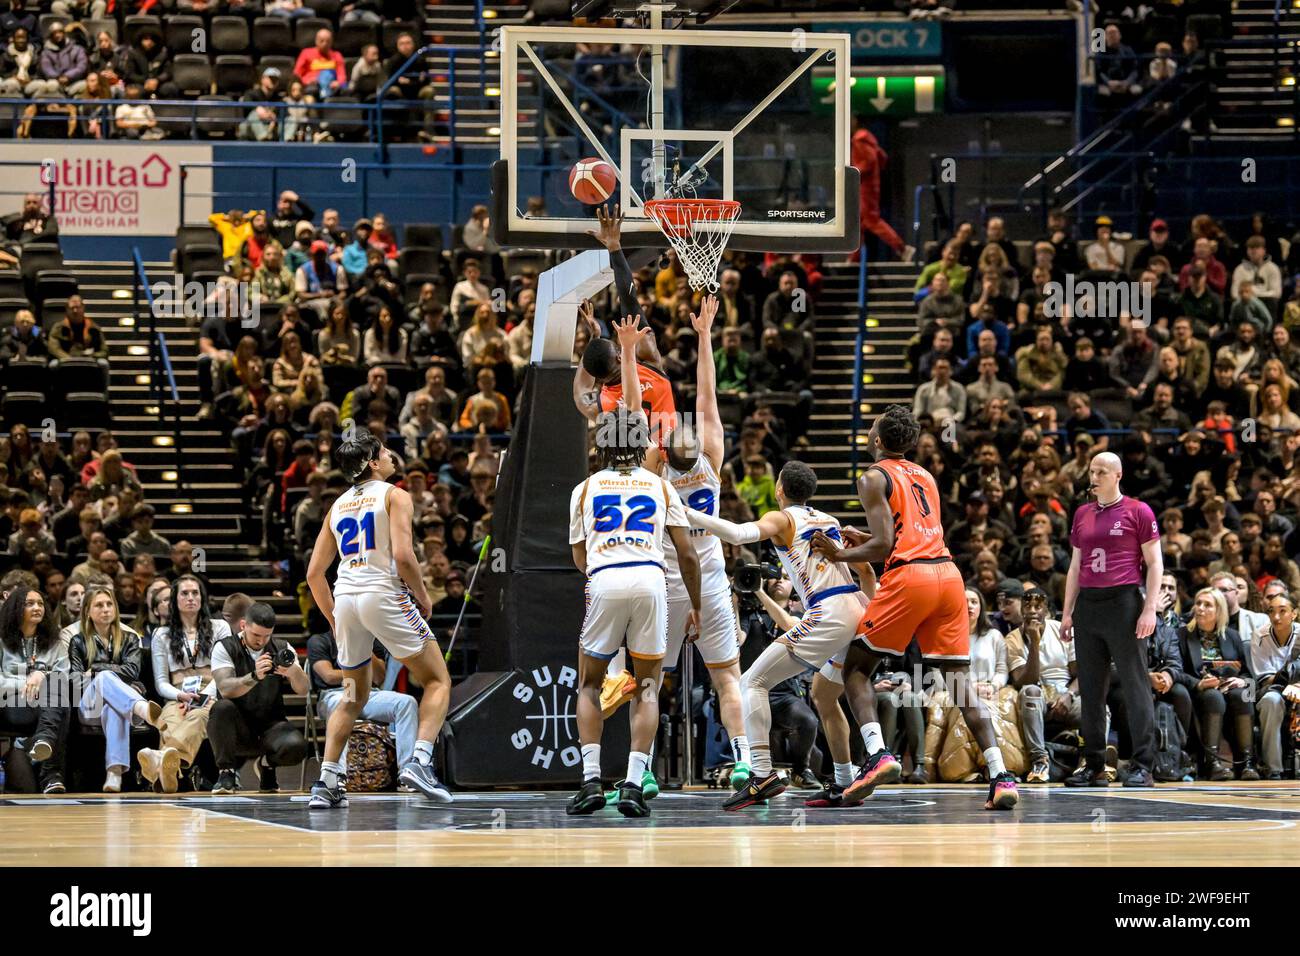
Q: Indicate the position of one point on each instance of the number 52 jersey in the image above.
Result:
(622, 518)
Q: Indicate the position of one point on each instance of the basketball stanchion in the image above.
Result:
(469, 589)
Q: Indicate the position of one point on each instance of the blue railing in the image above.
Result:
(858, 346)
(376, 121)
(162, 377)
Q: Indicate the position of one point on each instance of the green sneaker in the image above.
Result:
(611, 798)
(740, 775)
(649, 786)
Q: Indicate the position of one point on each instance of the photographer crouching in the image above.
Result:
(250, 670)
(763, 599)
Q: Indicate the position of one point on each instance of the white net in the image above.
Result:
(698, 230)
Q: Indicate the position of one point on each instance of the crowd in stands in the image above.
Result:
(91, 70)
(1192, 381)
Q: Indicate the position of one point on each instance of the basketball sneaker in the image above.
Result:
(421, 777)
(1040, 772)
(615, 692)
(267, 781)
(587, 800)
(327, 798)
(1085, 776)
(649, 785)
(1002, 792)
(831, 797)
(740, 775)
(227, 782)
(758, 790)
(882, 767)
(631, 801)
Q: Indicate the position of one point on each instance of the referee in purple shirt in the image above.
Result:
(1113, 538)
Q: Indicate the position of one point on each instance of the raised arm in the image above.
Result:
(610, 235)
(629, 335)
(775, 525)
(708, 422)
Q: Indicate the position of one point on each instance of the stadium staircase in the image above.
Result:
(891, 318)
(190, 477)
(1257, 96)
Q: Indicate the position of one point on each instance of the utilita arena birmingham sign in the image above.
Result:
(108, 190)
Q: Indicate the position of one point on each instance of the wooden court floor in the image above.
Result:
(1184, 824)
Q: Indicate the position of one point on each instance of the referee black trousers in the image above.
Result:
(1105, 629)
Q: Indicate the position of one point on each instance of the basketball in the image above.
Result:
(592, 181)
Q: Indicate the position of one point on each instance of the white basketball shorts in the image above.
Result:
(391, 617)
(719, 640)
(631, 601)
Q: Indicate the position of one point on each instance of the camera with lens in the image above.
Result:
(749, 578)
(283, 655)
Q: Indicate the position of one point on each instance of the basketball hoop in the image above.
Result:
(698, 230)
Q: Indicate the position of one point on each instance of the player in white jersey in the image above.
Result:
(618, 519)
(379, 594)
(693, 460)
(833, 603)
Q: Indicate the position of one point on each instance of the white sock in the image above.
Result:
(873, 738)
(993, 757)
(330, 773)
(740, 749)
(844, 774)
(760, 759)
(636, 764)
(424, 752)
(591, 761)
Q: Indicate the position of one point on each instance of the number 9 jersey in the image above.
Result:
(359, 520)
(623, 517)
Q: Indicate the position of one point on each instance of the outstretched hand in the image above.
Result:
(703, 323)
(588, 316)
(629, 334)
(610, 233)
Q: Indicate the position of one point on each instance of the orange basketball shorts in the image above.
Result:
(925, 601)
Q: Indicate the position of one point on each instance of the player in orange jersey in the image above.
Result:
(920, 594)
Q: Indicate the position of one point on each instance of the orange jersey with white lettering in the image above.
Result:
(656, 401)
(914, 503)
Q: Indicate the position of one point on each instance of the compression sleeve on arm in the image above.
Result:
(626, 287)
(727, 531)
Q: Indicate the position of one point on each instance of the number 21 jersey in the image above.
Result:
(622, 518)
(359, 520)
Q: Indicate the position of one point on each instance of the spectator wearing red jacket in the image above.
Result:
(870, 161)
(320, 67)
(1216, 273)
(299, 470)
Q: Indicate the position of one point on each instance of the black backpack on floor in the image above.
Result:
(1170, 764)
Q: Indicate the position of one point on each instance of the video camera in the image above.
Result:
(749, 578)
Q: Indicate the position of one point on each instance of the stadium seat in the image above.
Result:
(193, 74)
(1206, 26)
(176, 120)
(220, 119)
(85, 410)
(51, 313)
(392, 29)
(195, 258)
(25, 408)
(78, 375)
(43, 24)
(197, 234)
(178, 33)
(54, 284)
(38, 256)
(305, 28)
(1113, 403)
(273, 35)
(341, 379)
(229, 35)
(352, 37)
(428, 234)
(28, 376)
(344, 124)
(402, 377)
(96, 27)
(419, 259)
(11, 284)
(135, 25)
(234, 73)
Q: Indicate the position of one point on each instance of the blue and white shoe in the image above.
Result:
(422, 778)
(327, 798)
